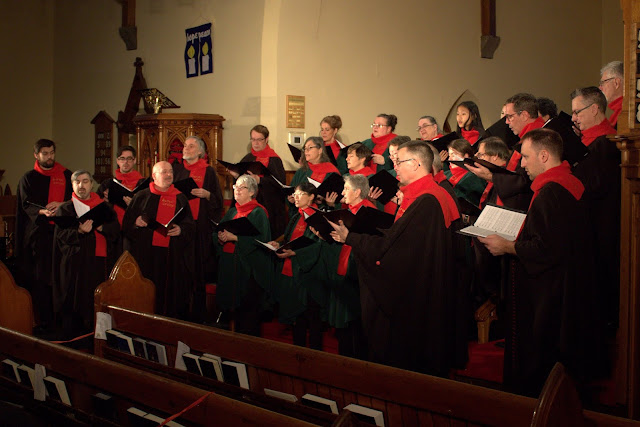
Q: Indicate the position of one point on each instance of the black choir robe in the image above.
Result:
(599, 171)
(408, 303)
(514, 190)
(270, 194)
(171, 269)
(77, 271)
(553, 303)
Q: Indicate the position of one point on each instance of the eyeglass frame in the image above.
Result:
(126, 159)
(239, 187)
(575, 113)
(257, 139)
(399, 162)
(376, 125)
(419, 128)
(510, 116)
(305, 149)
(602, 82)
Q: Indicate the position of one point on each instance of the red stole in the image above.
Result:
(335, 148)
(425, 185)
(471, 135)
(197, 172)
(380, 143)
(320, 171)
(536, 124)
(604, 128)
(457, 173)
(561, 175)
(242, 211)
(129, 180)
(616, 106)
(57, 181)
(101, 243)
(439, 177)
(345, 251)
(166, 211)
(298, 231)
(264, 155)
(366, 171)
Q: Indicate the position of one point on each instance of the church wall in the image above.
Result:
(356, 59)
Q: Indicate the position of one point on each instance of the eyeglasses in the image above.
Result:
(126, 159)
(239, 187)
(419, 128)
(576, 112)
(310, 148)
(376, 125)
(602, 82)
(480, 155)
(511, 116)
(399, 162)
(257, 139)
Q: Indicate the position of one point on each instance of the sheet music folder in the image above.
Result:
(100, 214)
(239, 226)
(117, 191)
(159, 227)
(366, 221)
(500, 220)
(242, 168)
(185, 186)
(385, 182)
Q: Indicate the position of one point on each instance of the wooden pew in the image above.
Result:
(16, 309)
(559, 403)
(406, 398)
(85, 375)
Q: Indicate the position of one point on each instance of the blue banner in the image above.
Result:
(198, 54)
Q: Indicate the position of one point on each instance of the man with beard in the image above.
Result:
(83, 255)
(40, 193)
(205, 207)
(164, 254)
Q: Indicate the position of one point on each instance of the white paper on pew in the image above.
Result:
(103, 324)
(39, 391)
(182, 349)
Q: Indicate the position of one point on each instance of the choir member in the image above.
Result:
(299, 291)
(83, 256)
(126, 174)
(269, 191)
(245, 270)
(206, 206)
(465, 184)
(553, 301)
(406, 297)
(329, 127)
(522, 114)
(428, 128)
(358, 157)
(547, 109)
(40, 192)
(381, 133)
(164, 254)
(611, 84)
(599, 171)
(315, 164)
(469, 123)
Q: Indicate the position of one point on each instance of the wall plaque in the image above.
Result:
(295, 111)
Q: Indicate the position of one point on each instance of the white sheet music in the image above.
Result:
(497, 220)
(80, 207)
(103, 324)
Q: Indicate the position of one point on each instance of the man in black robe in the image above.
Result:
(165, 254)
(83, 256)
(206, 206)
(599, 171)
(553, 304)
(408, 303)
(40, 193)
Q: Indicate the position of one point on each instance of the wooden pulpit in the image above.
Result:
(161, 137)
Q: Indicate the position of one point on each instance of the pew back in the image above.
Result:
(16, 309)
(86, 374)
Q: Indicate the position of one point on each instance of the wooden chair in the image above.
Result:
(16, 309)
(559, 403)
(484, 315)
(126, 288)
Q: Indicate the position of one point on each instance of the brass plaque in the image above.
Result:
(295, 111)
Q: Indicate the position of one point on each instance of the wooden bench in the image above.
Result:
(16, 309)
(406, 398)
(85, 375)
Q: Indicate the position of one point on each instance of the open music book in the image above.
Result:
(498, 220)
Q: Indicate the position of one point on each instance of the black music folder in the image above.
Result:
(185, 186)
(117, 191)
(443, 142)
(573, 150)
(385, 182)
(502, 130)
(239, 226)
(333, 183)
(242, 168)
(159, 227)
(99, 214)
(296, 153)
(471, 160)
